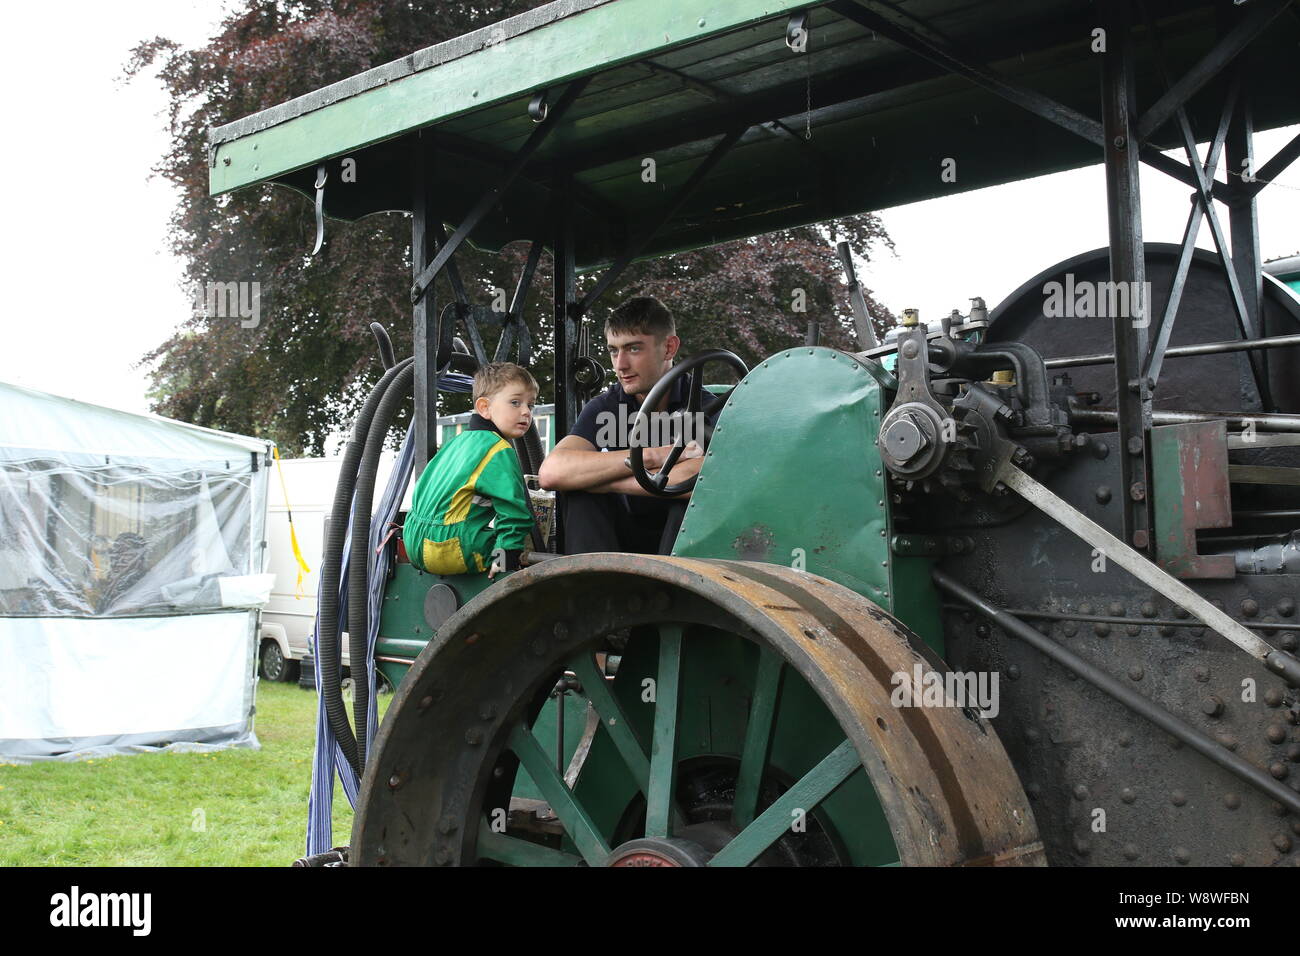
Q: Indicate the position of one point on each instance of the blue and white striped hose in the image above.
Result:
(328, 758)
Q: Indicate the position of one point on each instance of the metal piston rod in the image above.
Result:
(1202, 348)
(1261, 422)
(1135, 564)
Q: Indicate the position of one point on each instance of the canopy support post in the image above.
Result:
(1127, 271)
(426, 331)
(1243, 228)
(564, 312)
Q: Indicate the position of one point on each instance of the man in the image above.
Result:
(603, 507)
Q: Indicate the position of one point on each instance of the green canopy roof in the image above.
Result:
(855, 123)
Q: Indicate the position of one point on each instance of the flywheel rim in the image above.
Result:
(962, 803)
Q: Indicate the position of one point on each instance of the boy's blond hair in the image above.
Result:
(494, 376)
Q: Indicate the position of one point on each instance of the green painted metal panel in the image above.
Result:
(793, 477)
(1169, 498)
(573, 46)
(1189, 478)
(403, 632)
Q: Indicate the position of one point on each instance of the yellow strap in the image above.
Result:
(293, 535)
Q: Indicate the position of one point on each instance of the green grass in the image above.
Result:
(230, 808)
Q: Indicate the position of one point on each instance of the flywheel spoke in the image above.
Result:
(758, 737)
(812, 788)
(663, 749)
(516, 852)
(616, 724)
(577, 822)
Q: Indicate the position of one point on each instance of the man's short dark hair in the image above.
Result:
(642, 314)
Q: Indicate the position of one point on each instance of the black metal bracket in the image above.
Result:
(494, 194)
(1246, 309)
(1164, 330)
(1262, 13)
(1285, 156)
(515, 329)
(666, 212)
(939, 52)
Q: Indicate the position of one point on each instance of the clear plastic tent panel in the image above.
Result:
(120, 539)
(106, 513)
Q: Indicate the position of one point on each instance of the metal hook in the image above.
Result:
(796, 31)
(321, 177)
(537, 107)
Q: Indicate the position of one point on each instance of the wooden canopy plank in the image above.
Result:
(578, 41)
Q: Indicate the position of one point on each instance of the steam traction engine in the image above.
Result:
(1109, 529)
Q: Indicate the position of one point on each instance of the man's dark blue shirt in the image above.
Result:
(597, 423)
(592, 417)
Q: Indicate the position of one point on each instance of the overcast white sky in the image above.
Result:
(90, 287)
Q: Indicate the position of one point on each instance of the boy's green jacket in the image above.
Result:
(472, 479)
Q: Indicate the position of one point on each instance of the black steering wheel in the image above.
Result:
(657, 484)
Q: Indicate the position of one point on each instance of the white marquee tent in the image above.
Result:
(131, 576)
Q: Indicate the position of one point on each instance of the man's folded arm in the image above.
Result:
(629, 486)
(575, 465)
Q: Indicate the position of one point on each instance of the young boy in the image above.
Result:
(474, 480)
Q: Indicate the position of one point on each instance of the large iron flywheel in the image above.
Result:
(630, 710)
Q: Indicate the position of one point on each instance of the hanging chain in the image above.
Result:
(1256, 179)
(807, 63)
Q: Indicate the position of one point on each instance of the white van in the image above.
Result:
(289, 618)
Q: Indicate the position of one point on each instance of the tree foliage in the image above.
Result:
(298, 376)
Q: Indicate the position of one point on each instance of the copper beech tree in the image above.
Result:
(299, 374)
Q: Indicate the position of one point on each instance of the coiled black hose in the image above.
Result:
(327, 644)
(460, 362)
(385, 344)
(398, 390)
